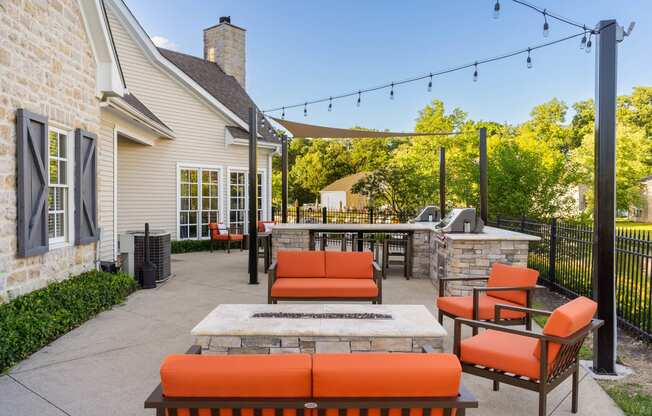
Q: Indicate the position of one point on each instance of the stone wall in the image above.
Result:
(289, 240)
(228, 42)
(421, 254)
(472, 259)
(47, 67)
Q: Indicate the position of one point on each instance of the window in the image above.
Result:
(260, 196)
(59, 187)
(198, 201)
(238, 201)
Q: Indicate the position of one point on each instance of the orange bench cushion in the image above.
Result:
(279, 376)
(502, 351)
(565, 321)
(300, 264)
(349, 265)
(503, 275)
(297, 287)
(462, 306)
(386, 375)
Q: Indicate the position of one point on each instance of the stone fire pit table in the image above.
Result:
(288, 328)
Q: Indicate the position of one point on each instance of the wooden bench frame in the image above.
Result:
(376, 300)
(527, 320)
(167, 406)
(565, 364)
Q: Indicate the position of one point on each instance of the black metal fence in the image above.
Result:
(564, 258)
(328, 216)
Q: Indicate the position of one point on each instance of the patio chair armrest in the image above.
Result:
(428, 349)
(444, 280)
(499, 307)
(378, 278)
(490, 325)
(504, 288)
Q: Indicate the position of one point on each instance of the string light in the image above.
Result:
(305, 109)
(546, 26)
(430, 83)
(391, 92)
(475, 72)
(283, 114)
(330, 104)
(497, 9)
(583, 42)
(588, 45)
(529, 59)
(359, 99)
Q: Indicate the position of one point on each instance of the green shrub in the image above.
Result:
(189, 246)
(30, 322)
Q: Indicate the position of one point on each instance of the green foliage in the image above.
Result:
(631, 398)
(190, 246)
(30, 322)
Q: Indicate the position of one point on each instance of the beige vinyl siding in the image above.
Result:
(147, 176)
(105, 176)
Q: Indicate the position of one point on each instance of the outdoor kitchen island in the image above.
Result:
(433, 254)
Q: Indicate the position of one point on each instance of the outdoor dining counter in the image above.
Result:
(433, 254)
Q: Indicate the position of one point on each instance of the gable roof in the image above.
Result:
(345, 183)
(225, 88)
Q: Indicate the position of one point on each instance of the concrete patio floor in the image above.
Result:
(110, 364)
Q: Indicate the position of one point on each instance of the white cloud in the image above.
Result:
(163, 42)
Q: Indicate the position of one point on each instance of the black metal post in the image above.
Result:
(371, 215)
(324, 215)
(284, 179)
(604, 234)
(298, 215)
(553, 252)
(484, 204)
(442, 180)
(253, 200)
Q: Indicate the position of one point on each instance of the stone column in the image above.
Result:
(288, 239)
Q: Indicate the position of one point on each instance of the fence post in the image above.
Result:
(522, 223)
(553, 251)
(497, 221)
(324, 215)
(273, 214)
(371, 215)
(298, 216)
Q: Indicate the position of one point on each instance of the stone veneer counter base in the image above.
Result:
(233, 329)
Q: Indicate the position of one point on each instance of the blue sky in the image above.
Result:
(300, 50)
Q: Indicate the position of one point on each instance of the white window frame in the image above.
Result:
(265, 192)
(220, 198)
(68, 237)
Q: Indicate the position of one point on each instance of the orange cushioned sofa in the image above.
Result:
(325, 275)
(526, 359)
(383, 384)
(506, 284)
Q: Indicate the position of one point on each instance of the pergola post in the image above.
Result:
(442, 180)
(484, 204)
(604, 234)
(284, 179)
(253, 200)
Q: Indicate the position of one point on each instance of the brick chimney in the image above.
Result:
(225, 45)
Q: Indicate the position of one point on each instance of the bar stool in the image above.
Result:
(396, 247)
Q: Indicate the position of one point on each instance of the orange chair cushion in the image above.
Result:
(349, 265)
(282, 375)
(565, 321)
(235, 237)
(503, 275)
(215, 235)
(385, 375)
(502, 351)
(300, 264)
(313, 287)
(462, 306)
(261, 225)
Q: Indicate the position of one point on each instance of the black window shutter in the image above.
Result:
(32, 183)
(86, 230)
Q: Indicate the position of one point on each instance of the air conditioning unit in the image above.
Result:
(132, 249)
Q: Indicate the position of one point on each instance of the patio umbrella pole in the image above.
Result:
(253, 199)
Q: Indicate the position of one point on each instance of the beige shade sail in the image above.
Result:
(312, 131)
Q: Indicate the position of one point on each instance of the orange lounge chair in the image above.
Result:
(325, 275)
(219, 232)
(506, 284)
(311, 385)
(537, 362)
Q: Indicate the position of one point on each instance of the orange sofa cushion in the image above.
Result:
(502, 351)
(349, 265)
(566, 320)
(462, 306)
(385, 375)
(324, 288)
(503, 275)
(278, 376)
(300, 264)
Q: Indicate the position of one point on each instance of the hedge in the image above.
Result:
(32, 321)
(189, 246)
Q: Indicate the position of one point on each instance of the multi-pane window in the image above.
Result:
(198, 201)
(237, 201)
(260, 197)
(58, 187)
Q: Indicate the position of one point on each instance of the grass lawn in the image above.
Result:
(631, 225)
(631, 398)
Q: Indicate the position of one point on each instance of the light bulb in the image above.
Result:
(583, 42)
(529, 59)
(588, 46)
(330, 104)
(391, 92)
(358, 102)
(305, 109)
(546, 26)
(475, 73)
(430, 85)
(497, 10)
(283, 114)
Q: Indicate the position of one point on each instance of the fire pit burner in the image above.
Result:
(296, 315)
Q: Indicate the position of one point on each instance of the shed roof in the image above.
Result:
(345, 183)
